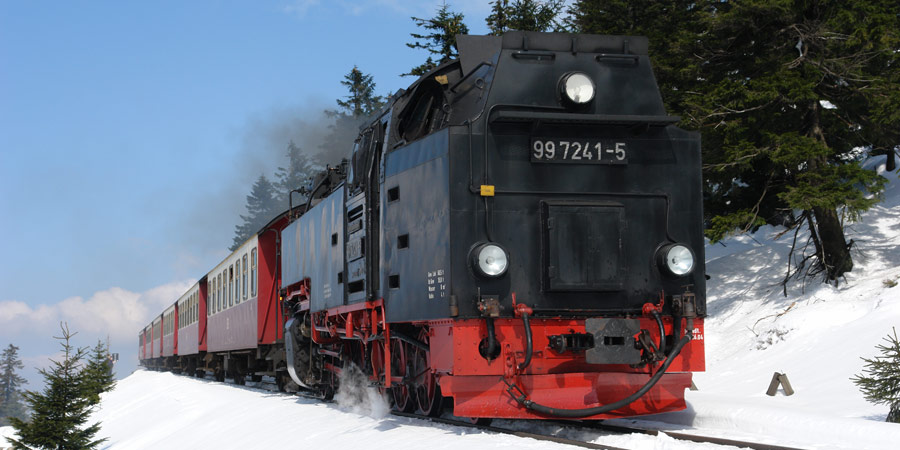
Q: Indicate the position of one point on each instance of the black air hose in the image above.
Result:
(492, 339)
(662, 331)
(529, 345)
(585, 412)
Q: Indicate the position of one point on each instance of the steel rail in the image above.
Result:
(499, 430)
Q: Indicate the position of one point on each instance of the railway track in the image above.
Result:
(576, 425)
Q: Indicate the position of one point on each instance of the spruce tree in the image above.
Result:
(785, 93)
(59, 413)
(10, 381)
(98, 376)
(440, 41)
(294, 176)
(357, 108)
(790, 91)
(361, 100)
(523, 15)
(880, 381)
(262, 207)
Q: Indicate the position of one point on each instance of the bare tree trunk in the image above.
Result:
(834, 251)
(834, 254)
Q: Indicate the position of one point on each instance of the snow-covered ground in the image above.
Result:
(816, 335)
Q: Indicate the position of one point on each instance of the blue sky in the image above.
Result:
(131, 132)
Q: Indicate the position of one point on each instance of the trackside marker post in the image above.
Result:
(782, 379)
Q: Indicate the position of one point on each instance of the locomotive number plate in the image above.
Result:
(578, 151)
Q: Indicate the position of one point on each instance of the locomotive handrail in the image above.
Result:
(593, 119)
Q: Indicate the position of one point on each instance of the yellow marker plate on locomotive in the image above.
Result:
(487, 190)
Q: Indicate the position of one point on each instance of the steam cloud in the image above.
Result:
(358, 396)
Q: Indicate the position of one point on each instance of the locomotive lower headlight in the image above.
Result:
(577, 88)
(490, 260)
(676, 259)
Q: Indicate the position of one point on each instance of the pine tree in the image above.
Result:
(523, 15)
(788, 95)
(441, 41)
(360, 105)
(262, 207)
(784, 93)
(98, 376)
(361, 101)
(59, 413)
(10, 381)
(295, 176)
(880, 382)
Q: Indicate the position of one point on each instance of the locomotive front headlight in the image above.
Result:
(676, 259)
(577, 88)
(490, 260)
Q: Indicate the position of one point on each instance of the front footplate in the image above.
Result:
(486, 396)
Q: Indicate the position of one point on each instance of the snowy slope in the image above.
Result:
(816, 335)
(152, 410)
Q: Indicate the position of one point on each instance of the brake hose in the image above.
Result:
(585, 412)
(529, 345)
(662, 331)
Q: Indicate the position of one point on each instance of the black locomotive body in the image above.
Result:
(520, 230)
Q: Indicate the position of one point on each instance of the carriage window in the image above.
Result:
(244, 276)
(208, 302)
(253, 272)
(237, 281)
(230, 272)
(219, 292)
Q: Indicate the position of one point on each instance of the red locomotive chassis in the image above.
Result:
(479, 390)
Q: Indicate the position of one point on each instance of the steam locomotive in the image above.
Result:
(517, 235)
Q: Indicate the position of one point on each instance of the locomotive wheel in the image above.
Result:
(428, 392)
(400, 392)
